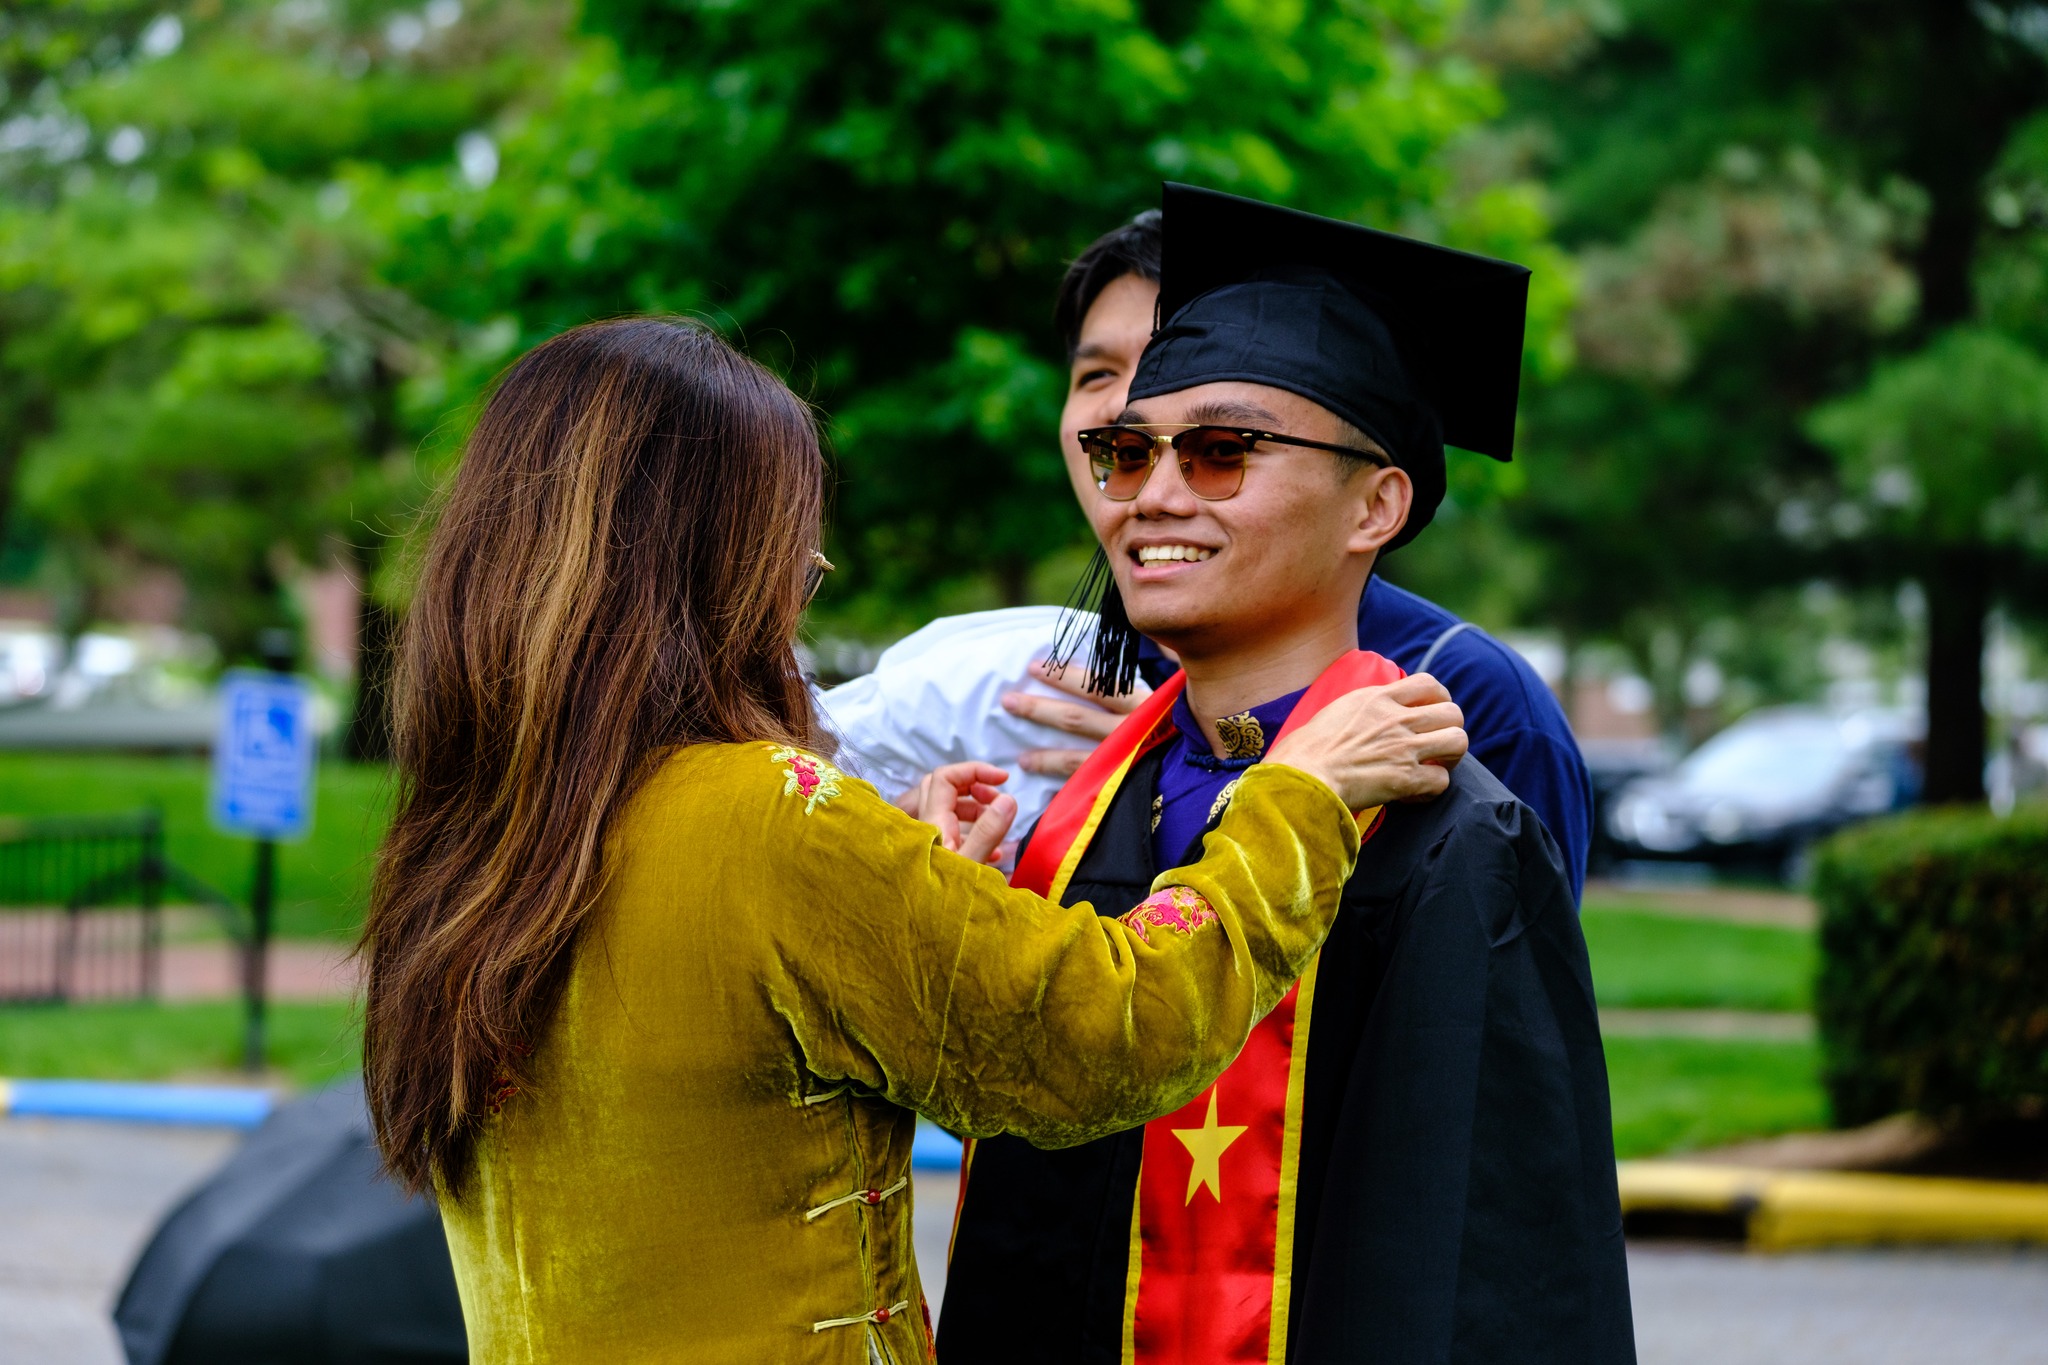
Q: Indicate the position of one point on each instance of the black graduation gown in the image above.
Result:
(1457, 1197)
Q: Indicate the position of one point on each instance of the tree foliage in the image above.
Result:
(263, 253)
(881, 197)
(211, 371)
(1767, 200)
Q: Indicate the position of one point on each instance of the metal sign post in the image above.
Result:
(262, 787)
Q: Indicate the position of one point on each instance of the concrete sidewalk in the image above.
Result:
(78, 1199)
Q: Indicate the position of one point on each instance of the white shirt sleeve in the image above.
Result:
(935, 697)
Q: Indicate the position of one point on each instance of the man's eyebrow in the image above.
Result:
(1093, 350)
(1232, 414)
(1216, 414)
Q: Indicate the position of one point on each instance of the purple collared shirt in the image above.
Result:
(1194, 784)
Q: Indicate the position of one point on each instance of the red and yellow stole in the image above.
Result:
(1212, 1227)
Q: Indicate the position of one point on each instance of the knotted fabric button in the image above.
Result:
(871, 1197)
(881, 1315)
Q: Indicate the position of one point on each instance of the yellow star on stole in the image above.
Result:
(1206, 1146)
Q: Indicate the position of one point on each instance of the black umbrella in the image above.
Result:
(297, 1250)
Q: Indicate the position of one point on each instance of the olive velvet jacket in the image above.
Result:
(710, 1158)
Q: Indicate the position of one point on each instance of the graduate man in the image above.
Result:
(1411, 1160)
(1518, 730)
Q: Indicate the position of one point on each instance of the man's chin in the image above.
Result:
(1173, 630)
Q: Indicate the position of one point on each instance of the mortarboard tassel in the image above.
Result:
(1113, 659)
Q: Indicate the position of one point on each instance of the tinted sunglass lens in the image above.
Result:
(1212, 462)
(1120, 464)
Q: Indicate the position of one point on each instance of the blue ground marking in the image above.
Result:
(136, 1102)
(934, 1149)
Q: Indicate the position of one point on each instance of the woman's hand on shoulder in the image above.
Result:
(960, 800)
(1397, 742)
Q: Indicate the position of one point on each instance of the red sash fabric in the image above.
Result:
(1070, 819)
(1212, 1228)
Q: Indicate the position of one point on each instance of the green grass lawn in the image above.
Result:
(1651, 961)
(308, 1044)
(1670, 1094)
(1681, 1094)
(322, 880)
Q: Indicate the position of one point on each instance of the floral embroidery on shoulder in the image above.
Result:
(500, 1091)
(1180, 909)
(810, 777)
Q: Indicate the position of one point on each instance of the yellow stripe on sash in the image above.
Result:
(1290, 1168)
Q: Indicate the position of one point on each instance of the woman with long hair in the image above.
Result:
(655, 991)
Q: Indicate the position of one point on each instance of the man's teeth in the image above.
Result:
(1154, 554)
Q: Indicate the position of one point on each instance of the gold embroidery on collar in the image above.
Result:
(1242, 735)
(1158, 810)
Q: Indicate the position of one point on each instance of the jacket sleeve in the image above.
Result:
(909, 971)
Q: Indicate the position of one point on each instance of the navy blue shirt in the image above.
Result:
(1515, 724)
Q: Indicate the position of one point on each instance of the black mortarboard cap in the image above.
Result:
(1416, 345)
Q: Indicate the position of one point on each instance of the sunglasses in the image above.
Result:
(1211, 459)
(814, 575)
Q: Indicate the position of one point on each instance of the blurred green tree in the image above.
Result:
(880, 197)
(1766, 199)
(206, 370)
(1944, 457)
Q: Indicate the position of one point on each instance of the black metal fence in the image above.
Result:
(81, 907)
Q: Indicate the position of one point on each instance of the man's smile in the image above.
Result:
(1167, 559)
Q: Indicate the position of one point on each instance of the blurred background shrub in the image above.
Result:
(1933, 988)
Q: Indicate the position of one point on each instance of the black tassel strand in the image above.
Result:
(1113, 658)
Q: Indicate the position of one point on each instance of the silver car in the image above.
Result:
(1762, 791)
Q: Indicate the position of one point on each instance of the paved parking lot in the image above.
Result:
(77, 1200)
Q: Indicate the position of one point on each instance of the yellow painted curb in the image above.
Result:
(1787, 1209)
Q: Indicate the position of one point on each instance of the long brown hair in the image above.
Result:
(617, 569)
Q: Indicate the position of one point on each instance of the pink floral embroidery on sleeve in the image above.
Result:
(810, 777)
(1180, 909)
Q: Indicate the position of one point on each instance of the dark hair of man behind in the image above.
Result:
(1132, 249)
(617, 570)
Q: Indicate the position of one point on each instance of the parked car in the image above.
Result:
(1614, 765)
(1762, 791)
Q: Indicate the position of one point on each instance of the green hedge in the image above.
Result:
(1933, 989)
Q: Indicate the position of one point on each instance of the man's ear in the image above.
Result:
(1382, 500)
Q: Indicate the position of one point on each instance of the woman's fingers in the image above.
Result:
(1380, 744)
(1443, 747)
(958, 799)
(982, 841)
(936, 801)
(1442, 715)
(1417, 689)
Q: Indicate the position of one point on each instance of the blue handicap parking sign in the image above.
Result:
(263, 756)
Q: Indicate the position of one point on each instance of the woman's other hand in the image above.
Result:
(962, 802)
(1379, 744)
(1090, 717)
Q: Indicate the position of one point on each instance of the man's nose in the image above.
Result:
(1165, 493)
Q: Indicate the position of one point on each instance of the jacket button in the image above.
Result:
(871, 1197)
(881, 1315)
